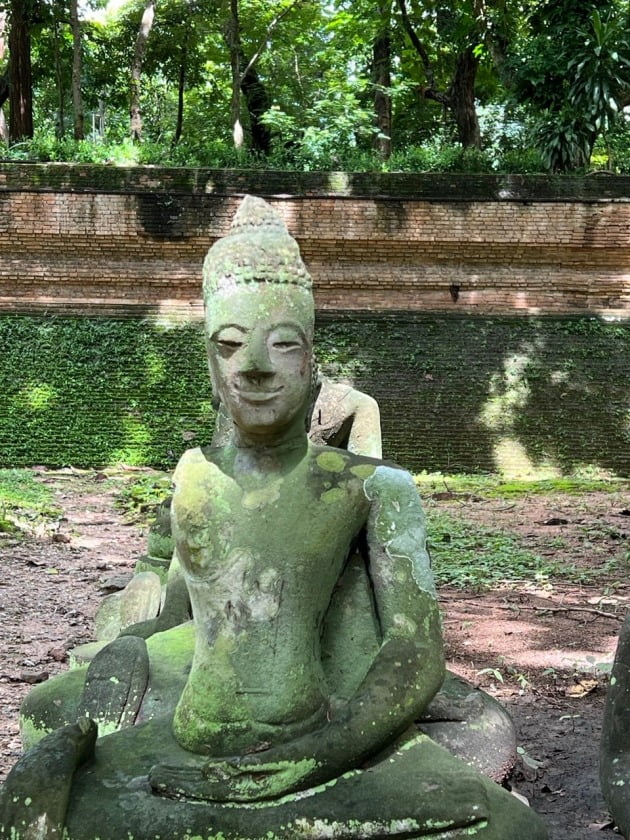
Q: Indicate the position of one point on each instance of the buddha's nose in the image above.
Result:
(256, 359)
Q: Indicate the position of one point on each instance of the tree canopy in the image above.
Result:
(488, 84)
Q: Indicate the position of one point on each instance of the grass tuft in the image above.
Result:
(24, 501)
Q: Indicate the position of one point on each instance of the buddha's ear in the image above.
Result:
(216, 396)
(316, 386)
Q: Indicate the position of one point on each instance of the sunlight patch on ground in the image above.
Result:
(523, 645)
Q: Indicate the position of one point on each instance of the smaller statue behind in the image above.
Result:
(614, 762)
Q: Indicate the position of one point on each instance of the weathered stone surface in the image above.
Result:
(115, 684)
(47, 769)
(107, 619)
(615, 746)
(141, 600)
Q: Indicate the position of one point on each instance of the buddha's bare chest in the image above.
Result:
(244, 541)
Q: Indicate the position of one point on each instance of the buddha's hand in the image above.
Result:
(243, 779)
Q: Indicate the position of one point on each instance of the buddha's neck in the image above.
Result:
(270, 454)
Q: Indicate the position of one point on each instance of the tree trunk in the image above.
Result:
(181, 85)
(4, 82)
(233, 35)
(77, 56)
(257, 100)
(246, 80)
(135, 113)
(381, 79)
(462, 100)
(20, 78)
(61, 116)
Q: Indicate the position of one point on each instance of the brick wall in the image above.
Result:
(109, 241)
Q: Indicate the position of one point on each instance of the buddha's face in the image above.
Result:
(260, 353)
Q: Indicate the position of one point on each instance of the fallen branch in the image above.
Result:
(518, 607)
(590, 610)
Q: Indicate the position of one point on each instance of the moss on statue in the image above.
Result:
(249, 737)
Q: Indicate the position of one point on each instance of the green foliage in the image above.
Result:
(45, 147)
(20, 489)
(314, 151)
(599, 66)
(526, 161)
(336, 352)
(616, 147)
(565, 62)
(494, 486)
(571, 69)
(93, 392)
(468, 555)
(143, 494)
(436, 157)
(96, 392)
(334, 130)
(23, 499)
(564, 141)
(452, 390)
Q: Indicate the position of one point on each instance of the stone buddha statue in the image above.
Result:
(315, 634)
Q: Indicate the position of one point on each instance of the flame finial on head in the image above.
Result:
(258, 248)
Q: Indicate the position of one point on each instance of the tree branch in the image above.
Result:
(270, 29)
(419, 47)
(435, 95)
(546, 608)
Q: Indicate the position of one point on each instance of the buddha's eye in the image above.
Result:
(286, 339)
(286, 345)
(228, 340)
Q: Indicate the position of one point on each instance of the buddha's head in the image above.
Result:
(259, 317)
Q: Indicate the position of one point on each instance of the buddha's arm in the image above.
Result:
(409, 667)
(405, 674)
(365, 434)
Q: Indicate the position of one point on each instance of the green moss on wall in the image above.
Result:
(90, 392)
(451, 186)
(472, 394)
(458, 394)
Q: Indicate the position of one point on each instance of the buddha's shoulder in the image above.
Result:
(378, 476)
(197, 462)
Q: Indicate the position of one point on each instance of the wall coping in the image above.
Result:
(396, 186)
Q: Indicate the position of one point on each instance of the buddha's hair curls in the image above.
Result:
(257, 249)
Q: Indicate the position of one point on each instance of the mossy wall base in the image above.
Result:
(456, 393)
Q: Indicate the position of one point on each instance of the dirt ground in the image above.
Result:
(543, 650)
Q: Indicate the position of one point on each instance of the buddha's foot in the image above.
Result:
(34, 798)
(229, 780)
(208, 781)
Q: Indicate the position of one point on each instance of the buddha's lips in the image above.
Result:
(262, 395)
